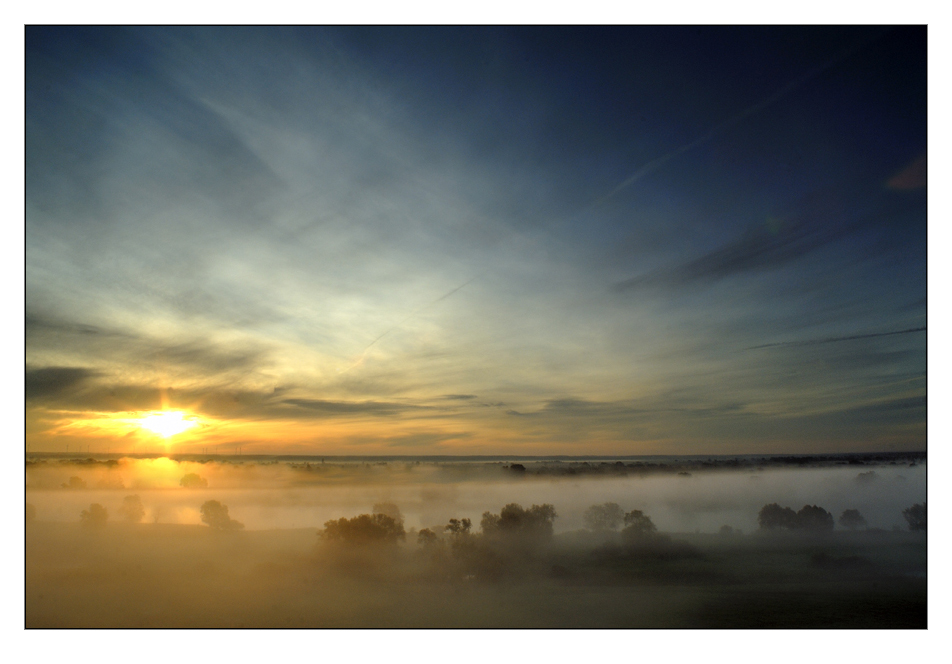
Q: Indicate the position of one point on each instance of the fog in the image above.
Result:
(227, 542)
(268, 495)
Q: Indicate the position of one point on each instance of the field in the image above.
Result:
(180, 574)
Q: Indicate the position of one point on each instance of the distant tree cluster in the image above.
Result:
(365, 529)
(513, 521)
(216, 516)
(810, 518)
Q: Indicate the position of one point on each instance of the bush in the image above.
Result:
(216, 516)
(365, 529)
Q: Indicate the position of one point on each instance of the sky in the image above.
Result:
(527, 241)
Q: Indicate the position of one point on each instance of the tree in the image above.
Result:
(427, 538)
(75, 483)
(773, 516)
(815, 519)
(638, 525)
(852, 519)
(513, 519)
(458, 528)
(390, 510)
(216, 516)
(915, 516)
(193, 481)
(607, 516)
(365, 529)
(95, 517)
(132, 509)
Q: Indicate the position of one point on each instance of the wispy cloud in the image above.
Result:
(827, 340)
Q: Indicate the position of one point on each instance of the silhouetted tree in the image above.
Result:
(852, 519)
(638, 525)
(514, 520)
(132, 509)
(390, 510)
(30, 513)
(915, 516)
(75, 483)
(427, 537)
(95, 517)
(458, 528)
(773, 516)
(216, 515)
(193, 481)
(815, 519)
(607, 516)
(364, 529)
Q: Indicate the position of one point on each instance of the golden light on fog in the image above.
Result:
(167, 423)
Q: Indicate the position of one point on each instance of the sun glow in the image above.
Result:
(167, 423)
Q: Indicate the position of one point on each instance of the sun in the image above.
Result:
(167, 423)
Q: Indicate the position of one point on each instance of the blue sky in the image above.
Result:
(478, 240)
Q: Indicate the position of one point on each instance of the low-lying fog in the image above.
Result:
(269, 495)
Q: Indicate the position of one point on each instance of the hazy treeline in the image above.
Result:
(509, 567)
(294, 495)
(158, 542)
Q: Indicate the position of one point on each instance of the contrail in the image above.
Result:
(833, 339)
(657, 163)
(408, 317)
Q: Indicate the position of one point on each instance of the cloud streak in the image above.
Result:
(827, 340)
